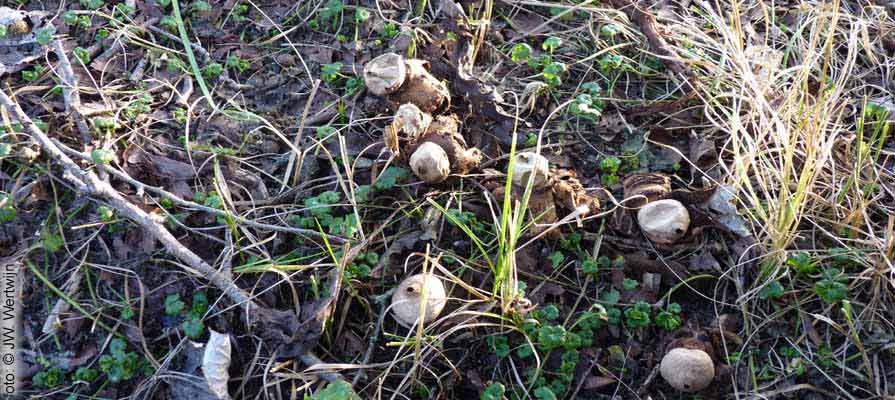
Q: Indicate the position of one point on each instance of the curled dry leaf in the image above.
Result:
(642, 188)
(570, 192)
(216, 362)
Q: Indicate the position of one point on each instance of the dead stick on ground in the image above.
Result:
(70, 92)
(89, 183)
(648, 26)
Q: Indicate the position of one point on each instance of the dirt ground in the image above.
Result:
(219, 199)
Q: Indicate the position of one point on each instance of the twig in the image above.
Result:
(140, 186)
(89, 183)
(382, 300)
(647, 24)
(70, 92)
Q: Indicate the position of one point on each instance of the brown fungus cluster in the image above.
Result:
(432, 145)
(551, 190)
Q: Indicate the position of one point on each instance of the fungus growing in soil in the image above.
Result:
(383, 75)
(687, 370)
(551, 190)
(411, 121)
(405, 81)
(528, 163)
(664, 221)
(408, 298)
(430, 163)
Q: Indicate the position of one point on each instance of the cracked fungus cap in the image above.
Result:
(528, 163)
(383, 75)
(412, 121)
(664, 221)
(687, 370)
(408, 297)
(430, 163)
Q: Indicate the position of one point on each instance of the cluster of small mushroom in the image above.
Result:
(662, 220)
(552, 189)
(435, 145)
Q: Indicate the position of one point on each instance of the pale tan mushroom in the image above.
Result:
(664, 221)
(411, 121)
(430, 163)
(687, 370)
(385, 74)
(408, 299)
(527, 164)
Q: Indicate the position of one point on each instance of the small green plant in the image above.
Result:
(610, 63)
(832, 286)
(106, 214)
(236, 63)
(92, 4)
(802, 263)
(102, 156)
(389, 31)
(173, 305)
(669, 318)
(553, 73)
(48, 379)
(361, 15)
(7, 208)
(551, 44)
(551, 337)
(75, 20)
(212, 70)
(521, 52)
(362, 266)
(200, 6)
(168, 23)
(544, 393)
(44, 36)
(499, 345)
(609, 167)
(33, 74)
(193, 326)
(773, 290)
(331, 14)
(494, 391)
(238, 14)
(610, 30)
(140, 106)
(85, 374)
(330, 73)
(337, 390)
(556, 258)
(119, 365)
(638, 316)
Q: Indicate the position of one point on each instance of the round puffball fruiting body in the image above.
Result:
(385, 74)
(687, 370)
(430, 163)
(664, 221)
(409, 295)
(528, 163)
(412, 121)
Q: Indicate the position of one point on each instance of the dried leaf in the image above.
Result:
(723, 204)
(216, 362)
